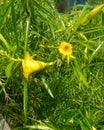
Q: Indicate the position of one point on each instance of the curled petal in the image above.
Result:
(29, 65)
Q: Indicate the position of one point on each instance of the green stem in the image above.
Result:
(27, 30)
(25, 101)
(25, 80)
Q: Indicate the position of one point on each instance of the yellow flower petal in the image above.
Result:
(29, 65)
(65, 48)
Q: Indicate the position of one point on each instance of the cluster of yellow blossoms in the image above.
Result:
(30, 65)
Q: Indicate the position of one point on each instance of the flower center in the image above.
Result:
(66, 48)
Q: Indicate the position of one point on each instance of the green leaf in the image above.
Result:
(79, 74)
(83, 126)
(47, 87)
(4, 41)
(80, 18)
(9, 69)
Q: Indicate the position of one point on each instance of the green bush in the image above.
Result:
(67, 95)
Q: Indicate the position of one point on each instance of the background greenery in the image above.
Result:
(77, 87)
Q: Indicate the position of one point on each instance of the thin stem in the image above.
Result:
(26, 36)
(25, 101)
(25, 80)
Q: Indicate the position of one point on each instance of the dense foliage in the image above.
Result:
(68, 95)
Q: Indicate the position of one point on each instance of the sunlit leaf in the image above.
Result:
(8, 69)
(47, 87)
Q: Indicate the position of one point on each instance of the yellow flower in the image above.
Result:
(92, 13)
(29, 65)
(66, 50)
(71, 121)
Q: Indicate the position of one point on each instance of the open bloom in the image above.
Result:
(66, 50)
(29, 65)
